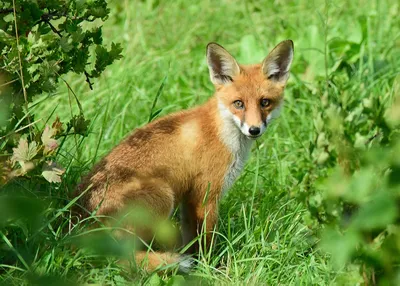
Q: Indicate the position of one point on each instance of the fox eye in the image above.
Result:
(238, 104)
(265, 102)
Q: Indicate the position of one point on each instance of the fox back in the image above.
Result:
(192, 157)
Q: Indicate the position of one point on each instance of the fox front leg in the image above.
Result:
(198, 221)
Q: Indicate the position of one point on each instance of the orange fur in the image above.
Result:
(185, 158)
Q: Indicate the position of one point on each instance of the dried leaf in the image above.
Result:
(24, 152)
(26, 166)
(5, 171)
(57, 126)
(52, 172)
(49, 143)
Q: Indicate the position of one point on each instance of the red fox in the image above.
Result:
(192, 157)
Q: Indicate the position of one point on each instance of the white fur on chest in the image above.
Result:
(238, 144)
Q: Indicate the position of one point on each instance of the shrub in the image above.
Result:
(39, 42)
(351, 186)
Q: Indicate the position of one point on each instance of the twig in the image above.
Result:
(9, 82)
(6, 11)
(20, 129)
(372, 138)
(52, 27)
(88, 80)
(53, 15)
(59, 34)
(46, 19)
(20, 65)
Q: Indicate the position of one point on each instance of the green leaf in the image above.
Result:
(71, 25)
(66, 44)
(380, 211)
(340, 246)
(322, 157)
(33, 68)
(48, 85)
(102, 58)
(33, 9)
(177, 280)
(55, 37)
(359, 188)
(79, 124)
(105, 58)
(97, 36)
(394, 176)
(78, 36)
(49, 68)
(79, 60)
(116, 51)
(52, 172)
(99, 12)
(120, 280)
(9, 18)
(360, 141)
(154, 280)
(80, 4)
(15, 207)
(6, 38)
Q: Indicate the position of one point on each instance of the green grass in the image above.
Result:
(262, 237)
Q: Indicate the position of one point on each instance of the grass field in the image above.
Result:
(262, 237)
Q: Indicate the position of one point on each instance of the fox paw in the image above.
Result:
(186, 263)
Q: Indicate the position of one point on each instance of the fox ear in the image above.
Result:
(277, 64)
(223, 67)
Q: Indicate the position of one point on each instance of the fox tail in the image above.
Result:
(151, 261)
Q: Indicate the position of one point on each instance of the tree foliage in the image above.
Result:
(39, 42)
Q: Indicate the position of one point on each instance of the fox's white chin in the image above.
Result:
(251, 137)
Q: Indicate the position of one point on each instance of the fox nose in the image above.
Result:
(254, 130)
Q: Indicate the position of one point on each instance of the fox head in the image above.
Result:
(250, 96)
